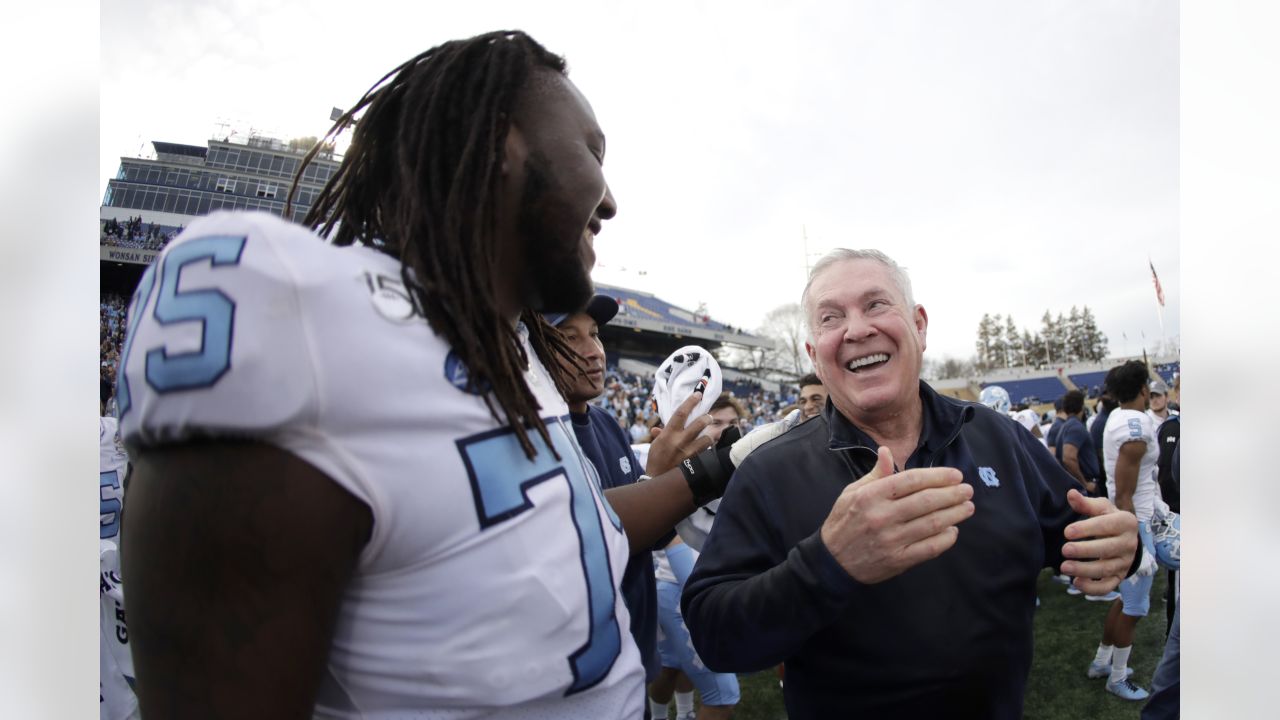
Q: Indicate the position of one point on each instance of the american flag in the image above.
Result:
(1156, 279)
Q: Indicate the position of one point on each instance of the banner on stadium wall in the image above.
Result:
(128, 255)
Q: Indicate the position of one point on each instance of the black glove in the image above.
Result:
(709, 471)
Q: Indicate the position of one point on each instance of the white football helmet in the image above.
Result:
(996, 398)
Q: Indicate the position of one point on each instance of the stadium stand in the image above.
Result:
(1032, 391)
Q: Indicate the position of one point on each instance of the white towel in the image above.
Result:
(688, 369)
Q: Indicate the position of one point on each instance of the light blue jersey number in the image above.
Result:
(210, 307)
(501, 477)
(108, 504)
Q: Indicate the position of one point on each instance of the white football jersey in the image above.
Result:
(693, 530)
(112, 464)
(1125, 426)
(116, 700)
(490, 585)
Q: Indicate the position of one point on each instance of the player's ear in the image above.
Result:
(514, 151)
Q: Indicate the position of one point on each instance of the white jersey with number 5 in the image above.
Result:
(113, 462)
(489, 587)
(1125, 426)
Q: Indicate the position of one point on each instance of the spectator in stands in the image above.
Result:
(1159, 411)
(813, 396)
(879, 605)
(638, 430)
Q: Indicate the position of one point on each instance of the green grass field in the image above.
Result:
(1067, 631)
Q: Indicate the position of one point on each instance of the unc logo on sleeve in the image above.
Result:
(625, 464)
(988, 476)
(458, 376)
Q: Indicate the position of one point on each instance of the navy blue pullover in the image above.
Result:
(949, 638)
(606, 445)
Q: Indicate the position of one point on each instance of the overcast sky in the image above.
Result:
(1015, 156)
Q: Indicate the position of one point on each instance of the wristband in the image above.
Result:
(1137, 562)
(707, 473)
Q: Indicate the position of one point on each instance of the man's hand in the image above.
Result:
(1099, 549)
(886, 522)
(678, 440)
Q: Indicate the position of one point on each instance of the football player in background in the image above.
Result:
(682, 669)
(606, 445)
(116, 700)
(1131, 452)
(356, 493)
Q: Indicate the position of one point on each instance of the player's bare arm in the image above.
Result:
(650, 509)
(1127, 464)
(237, 558)
(1099, 549)
(1071, 461)
(886, 522)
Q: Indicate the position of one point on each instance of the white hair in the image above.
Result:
(897, 274)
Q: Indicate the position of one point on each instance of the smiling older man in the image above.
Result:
(839, 547)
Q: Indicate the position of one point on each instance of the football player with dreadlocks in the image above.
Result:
(356, 492)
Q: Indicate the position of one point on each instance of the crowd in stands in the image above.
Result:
(111, 322)
(132, 234)
(627, 398)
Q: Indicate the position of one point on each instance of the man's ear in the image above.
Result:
(514, 151)
(922, 325)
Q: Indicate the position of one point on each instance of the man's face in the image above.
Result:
(867, 344)
(1159, 401)
(812, 398)
(556, 192)
(584, 337)
(720, 420)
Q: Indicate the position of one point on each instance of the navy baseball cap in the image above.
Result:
(602, 309)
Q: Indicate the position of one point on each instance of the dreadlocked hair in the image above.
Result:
(420, 181)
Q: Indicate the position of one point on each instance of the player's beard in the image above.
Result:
(557, 278)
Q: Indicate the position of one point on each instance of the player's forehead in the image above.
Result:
(550, 101)
(578, 323)
(811, 390)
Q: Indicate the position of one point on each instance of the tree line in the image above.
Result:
(1060, 340)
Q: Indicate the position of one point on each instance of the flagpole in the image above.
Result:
(1155, 279)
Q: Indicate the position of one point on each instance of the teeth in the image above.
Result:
(868, 360)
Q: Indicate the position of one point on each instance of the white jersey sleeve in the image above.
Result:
(116, 700)
(113, 463)
(490, 584)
